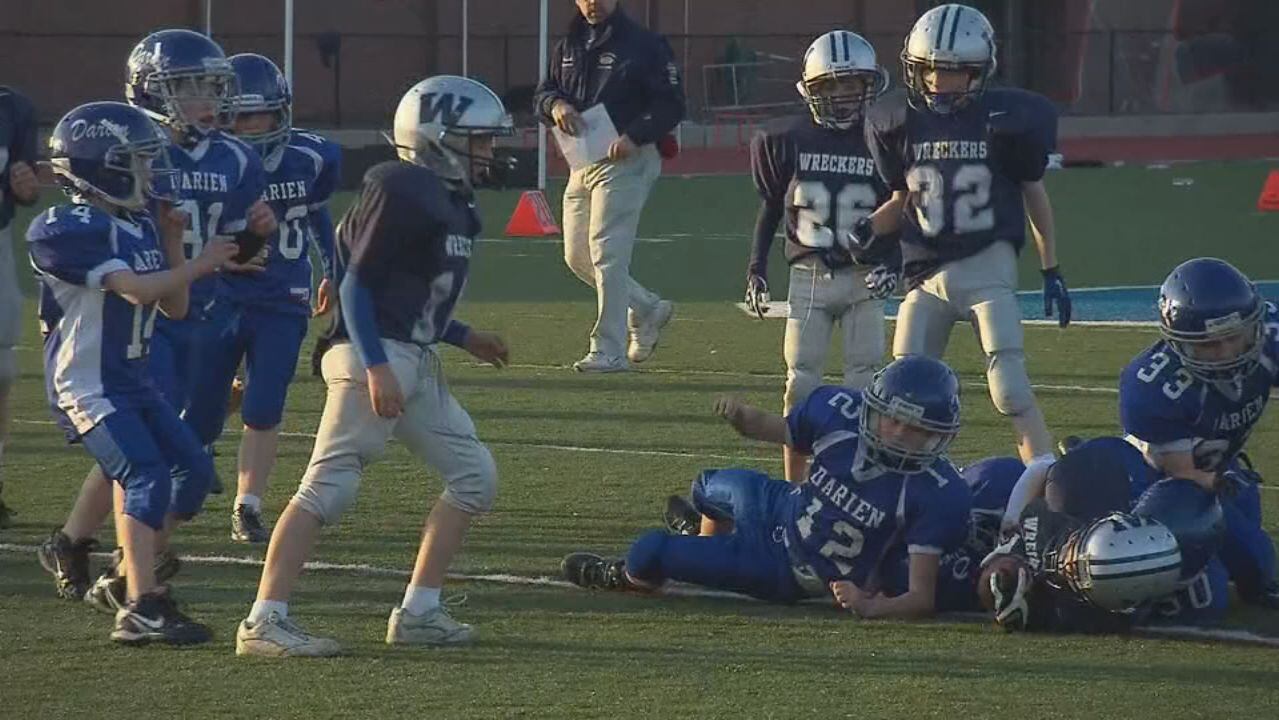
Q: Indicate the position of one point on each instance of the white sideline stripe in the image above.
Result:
(533, 446)
(677, 590)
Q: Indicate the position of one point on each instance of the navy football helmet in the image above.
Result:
(1193, 515)
(1204, 304)
(182, 79)
(262, 89)
(920, 396)
(113, 152)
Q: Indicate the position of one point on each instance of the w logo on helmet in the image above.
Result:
(447, 107)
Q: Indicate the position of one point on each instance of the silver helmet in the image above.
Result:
(836, 55)
(948, 37)
(436, 117)
(1122, 561)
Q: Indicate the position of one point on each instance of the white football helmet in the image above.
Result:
(835, 55)
(948, 37)
(1122, 561)
(437, 117)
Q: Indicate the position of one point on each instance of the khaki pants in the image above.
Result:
(602, 205)
(981, 289)
(434, 427)
(820, 298)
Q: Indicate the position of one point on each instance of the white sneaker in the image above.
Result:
(433, 628)
(647, 331)
(597, 362)
(281, 637)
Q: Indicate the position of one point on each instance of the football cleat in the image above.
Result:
(155, 617)
(591, 571)
(68, 562)
(108, 593)
(278, 636)
(645, 332)
(247, 525)
(596, 362)
(680, 517)
(435, 627)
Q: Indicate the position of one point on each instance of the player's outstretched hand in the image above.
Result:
(23, 183)
(172, 224)
(757, 297)
(384, 391)
(323, 299)
(729, 408)
(850, 597)
(261, 219)
(1055, 292)
(489, 347)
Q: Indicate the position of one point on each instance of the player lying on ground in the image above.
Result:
(879, 484)
(1081, 561)
(105, 269)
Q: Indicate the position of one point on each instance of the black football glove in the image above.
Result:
(1055, 292)
(861, 237)
(757, 297)
(1012, 604)
(882, 282)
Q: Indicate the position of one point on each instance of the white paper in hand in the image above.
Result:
(592, 143)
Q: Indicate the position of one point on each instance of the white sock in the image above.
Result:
(262, 610)
(419, 599)
(253, 502)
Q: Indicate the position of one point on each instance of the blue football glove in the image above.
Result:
(757, 297)
(1055, 292)
(882, 282)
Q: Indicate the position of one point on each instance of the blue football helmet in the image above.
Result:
(1203, 303)
(1193, 515)
(113, 152)
(182, 79)
(910, 413)
(263, 89)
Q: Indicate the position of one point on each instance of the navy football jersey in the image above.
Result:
(96, 342)
(1166, 409)
(826, 181)
(219, 179)
(408, 238)
(17, 144)
(300, 179)
(963, 171)
(851, 514)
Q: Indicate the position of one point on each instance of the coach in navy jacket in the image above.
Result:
(608, 58)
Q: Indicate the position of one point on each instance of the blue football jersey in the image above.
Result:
(408, 238)
(1164, 408)
(991, 481)
(300, 179)
(96, 344)
(964, 171)
(826, 181)
(851, 514)
(218, 180)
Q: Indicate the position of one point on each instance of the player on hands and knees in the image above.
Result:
(966, 166)
(261, 318)
(880, 491)
(1190, 401)
(105, 269)
(182, 81)
(816, 173)
(405, 245)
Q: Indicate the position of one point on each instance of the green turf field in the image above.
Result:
(586, 462)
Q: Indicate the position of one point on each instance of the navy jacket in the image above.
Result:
(622, 65)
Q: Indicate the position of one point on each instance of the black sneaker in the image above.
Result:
(155, 617)
(68, 562)
(247, 526)
(109, 591)
(589, 570)
(681, 518)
